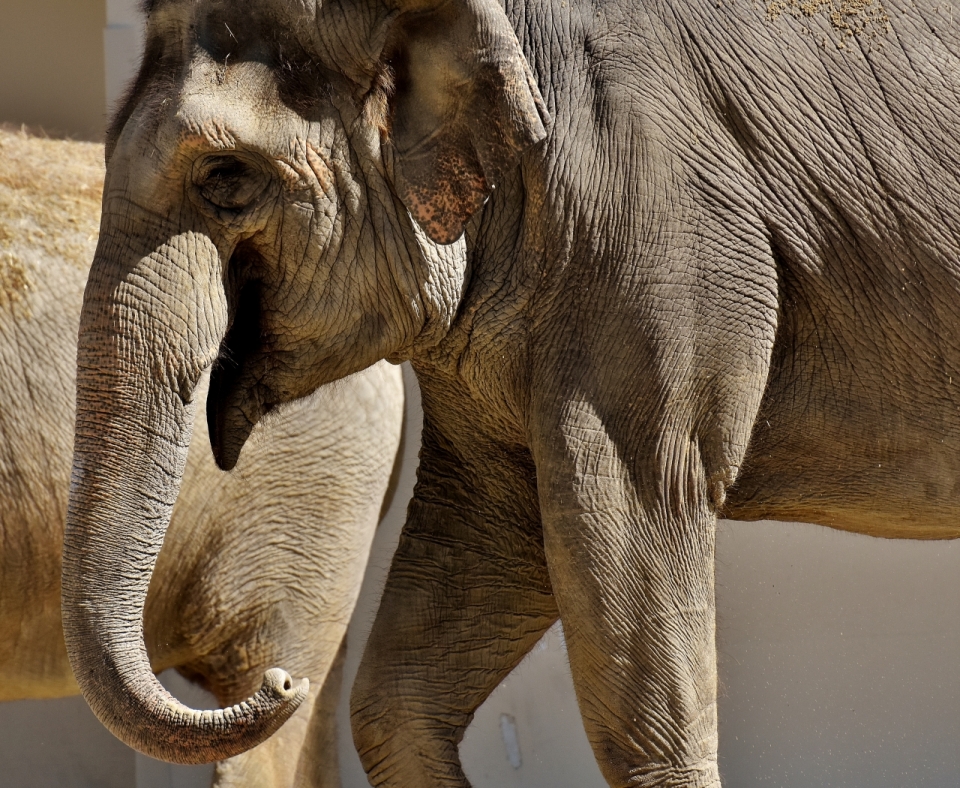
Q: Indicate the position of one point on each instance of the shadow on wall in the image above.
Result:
(837, 668)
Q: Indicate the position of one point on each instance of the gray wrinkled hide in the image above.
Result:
(226, 601)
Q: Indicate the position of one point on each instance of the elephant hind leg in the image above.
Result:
(461, 608)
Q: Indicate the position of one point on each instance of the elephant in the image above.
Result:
(652, 262)
(260, 566)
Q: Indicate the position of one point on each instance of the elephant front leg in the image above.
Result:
(630, 547)
(468, 595)
(319, 763)
(272, 764)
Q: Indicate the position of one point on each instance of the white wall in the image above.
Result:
(838, 658)
(60, 744)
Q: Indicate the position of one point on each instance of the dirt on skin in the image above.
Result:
(864, 18)
(49, 205)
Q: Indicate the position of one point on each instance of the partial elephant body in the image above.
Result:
(850, 167)
(260, 567)
(787, 173)
(651, 262)
(49, 205)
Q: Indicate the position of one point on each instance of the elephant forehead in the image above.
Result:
(229, 73)
(291, 7)
(240, 109)
(220, 106)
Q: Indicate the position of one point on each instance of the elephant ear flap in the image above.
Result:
(465, 107)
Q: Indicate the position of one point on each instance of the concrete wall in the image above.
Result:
(65, 63)
(838, 658)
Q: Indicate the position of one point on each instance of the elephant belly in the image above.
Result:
(902, 501)
(874, 456)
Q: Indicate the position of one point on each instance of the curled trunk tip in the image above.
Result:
(179, 734)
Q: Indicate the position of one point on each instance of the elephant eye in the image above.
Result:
(229, 182)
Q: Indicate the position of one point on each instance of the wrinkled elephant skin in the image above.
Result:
(259, 568)
(652, 262)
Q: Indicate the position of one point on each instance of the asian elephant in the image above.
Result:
(652, 262)
(259, 567)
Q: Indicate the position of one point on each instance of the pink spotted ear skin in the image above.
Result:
(443, 192)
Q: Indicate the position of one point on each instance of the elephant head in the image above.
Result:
(287, 184)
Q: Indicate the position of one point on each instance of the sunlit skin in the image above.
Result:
(652, 263)
(226, 601)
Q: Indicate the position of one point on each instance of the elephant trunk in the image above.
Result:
(152, 322)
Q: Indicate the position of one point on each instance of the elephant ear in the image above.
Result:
(464, 107)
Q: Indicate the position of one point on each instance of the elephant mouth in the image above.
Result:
(237, 398)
